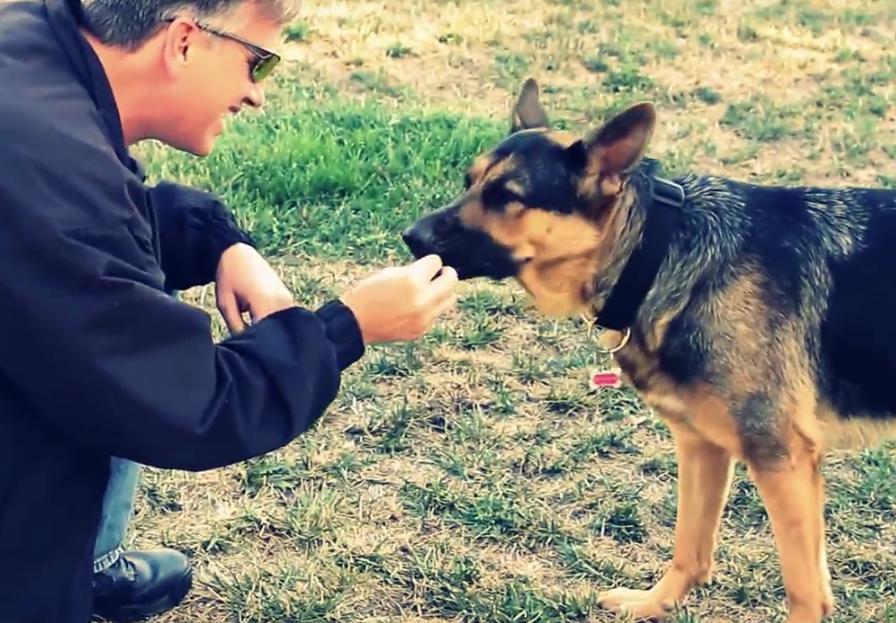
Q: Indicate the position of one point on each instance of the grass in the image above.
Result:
(334, 178)
(472, 476)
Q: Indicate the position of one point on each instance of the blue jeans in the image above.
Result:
(118, 504)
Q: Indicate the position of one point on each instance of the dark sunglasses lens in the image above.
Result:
(264, 66)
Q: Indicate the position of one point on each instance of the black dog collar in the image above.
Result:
(639, 273)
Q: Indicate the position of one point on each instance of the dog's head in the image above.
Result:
(539, 206)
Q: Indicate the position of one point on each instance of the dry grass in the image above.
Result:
(693, 58)
(472, 476)
(488, 465)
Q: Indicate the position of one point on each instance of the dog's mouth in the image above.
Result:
(419, 246)
(471, 253)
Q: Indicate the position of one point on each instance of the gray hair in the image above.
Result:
(129, 23)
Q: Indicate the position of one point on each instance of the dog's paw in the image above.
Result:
(638, 605)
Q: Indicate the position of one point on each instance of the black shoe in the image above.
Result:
(141, 584)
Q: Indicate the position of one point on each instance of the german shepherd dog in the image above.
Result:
(759, 333)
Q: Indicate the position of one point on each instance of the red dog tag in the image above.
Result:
(606, 378)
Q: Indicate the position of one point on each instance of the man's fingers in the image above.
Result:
(230, 311)
(439, 308)
(447, 278)
(442, 286)
(426, 267)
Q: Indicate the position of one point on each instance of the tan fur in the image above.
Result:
(563, 249)
(856, 432)
(563, 138)
(704, 478)
(793, 494)
(480, 166)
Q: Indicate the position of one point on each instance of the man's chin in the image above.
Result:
(200, 149)
(200, 146)
(206, 145)
(204, 150)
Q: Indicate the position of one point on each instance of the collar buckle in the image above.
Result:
(668, 192)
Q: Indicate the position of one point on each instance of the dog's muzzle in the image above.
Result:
(420, 243)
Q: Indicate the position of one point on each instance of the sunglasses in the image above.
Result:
(262, 62)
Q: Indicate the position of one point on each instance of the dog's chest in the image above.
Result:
(693, 409)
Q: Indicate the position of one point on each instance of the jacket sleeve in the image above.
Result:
(194, 230)
(90, 341)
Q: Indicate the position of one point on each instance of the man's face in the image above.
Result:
(212, 77)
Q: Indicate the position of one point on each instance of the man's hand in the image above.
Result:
(245, 282)
(402, 303)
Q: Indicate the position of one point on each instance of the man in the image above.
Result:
(96, 360)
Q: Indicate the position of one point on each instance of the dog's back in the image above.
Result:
(820, 262)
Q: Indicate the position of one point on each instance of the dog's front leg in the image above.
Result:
(704, 477)
(793, 492)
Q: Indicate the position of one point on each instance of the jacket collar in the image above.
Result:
(66, 19)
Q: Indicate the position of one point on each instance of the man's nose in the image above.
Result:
(256, 97)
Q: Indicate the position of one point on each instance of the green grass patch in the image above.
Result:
(334, 178)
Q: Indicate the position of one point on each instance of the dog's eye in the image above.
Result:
(497, 196)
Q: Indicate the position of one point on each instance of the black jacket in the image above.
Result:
(95, 359)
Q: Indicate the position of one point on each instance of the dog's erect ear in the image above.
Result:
(528, 112)
(616, 148)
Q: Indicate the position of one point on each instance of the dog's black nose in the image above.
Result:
(417, 241)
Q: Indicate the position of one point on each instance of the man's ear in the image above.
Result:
(618, 146)
(528, 112)
(178, 39)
